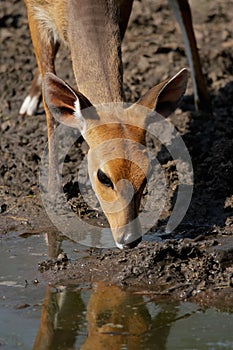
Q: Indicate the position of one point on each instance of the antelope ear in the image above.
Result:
(164, 97)
(64, 103)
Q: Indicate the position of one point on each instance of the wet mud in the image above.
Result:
(194, 261)
(184, 269)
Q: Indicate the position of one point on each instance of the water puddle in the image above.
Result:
(36, 316)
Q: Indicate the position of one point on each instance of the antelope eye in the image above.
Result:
(104, 179)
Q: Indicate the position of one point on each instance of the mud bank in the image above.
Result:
(181, 269)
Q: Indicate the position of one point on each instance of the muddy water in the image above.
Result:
(34, 315)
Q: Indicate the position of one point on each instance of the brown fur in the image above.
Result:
(93, 30)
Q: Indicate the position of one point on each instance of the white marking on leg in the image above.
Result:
(32, 108)
(29, 105)
(24, 106)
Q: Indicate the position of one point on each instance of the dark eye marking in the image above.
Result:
(104, 179)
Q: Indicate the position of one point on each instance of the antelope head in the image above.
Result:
(118, 163)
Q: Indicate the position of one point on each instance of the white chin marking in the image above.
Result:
(120, 246)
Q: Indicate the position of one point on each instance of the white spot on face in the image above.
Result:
(78, 115)
(77, 112)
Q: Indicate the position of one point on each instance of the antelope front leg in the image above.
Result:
(183, 16)
(45, 49)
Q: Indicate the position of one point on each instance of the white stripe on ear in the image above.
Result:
(79, 117)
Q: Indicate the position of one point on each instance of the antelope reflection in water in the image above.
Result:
(113, 318)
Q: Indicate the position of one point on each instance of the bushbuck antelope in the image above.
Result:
(93, 30)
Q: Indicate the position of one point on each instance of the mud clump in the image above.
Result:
(179, 268)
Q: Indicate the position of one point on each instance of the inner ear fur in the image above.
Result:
(61, 99)
(164, 97)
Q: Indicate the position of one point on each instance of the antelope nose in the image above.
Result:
(128, 236)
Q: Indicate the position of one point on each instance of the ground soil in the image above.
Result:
(196, 257)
